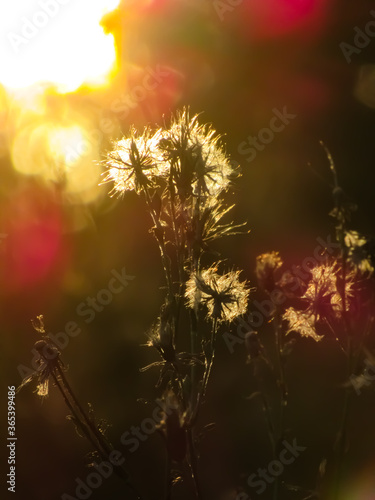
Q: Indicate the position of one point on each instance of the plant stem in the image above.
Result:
(341, 220)
(168, 483)
(193, 462)
(161, 243)
(212, 356)
(194, 348)
(283, 392)
(268, 418)
(98, 435)
(341, 443)
(89, 428)
(341, 436)
(78, 421)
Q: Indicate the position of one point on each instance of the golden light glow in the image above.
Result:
(57, 41)
(60, 153)
(74, 155)
(62, 142)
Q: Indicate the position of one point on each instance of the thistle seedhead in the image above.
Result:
(324, 301)
(135, 162)
(224, 296)
(187, 156)
(199, 164)
(47, 359)
(48, 364)
(302, 323)
(322, 293)
(359, 253)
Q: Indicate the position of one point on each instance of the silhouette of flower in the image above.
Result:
(324, 301)
(322, 292)
(359, 254)
(48, 360)
(198, 162)
(135, 163)
(48, 363)
(302, 323)
(224, 296)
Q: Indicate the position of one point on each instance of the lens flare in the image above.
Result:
(57, 41)
(34, 225)
(60, 153)
(62, 142)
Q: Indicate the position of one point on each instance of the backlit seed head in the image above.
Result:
(324, 301)
(135, 162)
(199, 164)
(46, 350)
(224, 296)
(302, 323)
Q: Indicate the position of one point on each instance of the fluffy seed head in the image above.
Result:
(200, 165)
(135, 162)
(224, 296)
(323, 299)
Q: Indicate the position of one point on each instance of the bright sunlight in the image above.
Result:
(57, 41)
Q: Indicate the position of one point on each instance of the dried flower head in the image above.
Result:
(302, 323)
(47, 358)
(224, 295)
(48, 363)
(199, 164)
(359, 254)
(135, 162)
(266, 266)
(322, 294)
(324, 301)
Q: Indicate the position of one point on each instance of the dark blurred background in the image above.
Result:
(62, 235)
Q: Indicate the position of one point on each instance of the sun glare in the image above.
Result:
(61, 142)
(57, 41)
(60, 154)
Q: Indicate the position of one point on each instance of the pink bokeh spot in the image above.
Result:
(274, 18)
(34, 241)
(152, 6)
